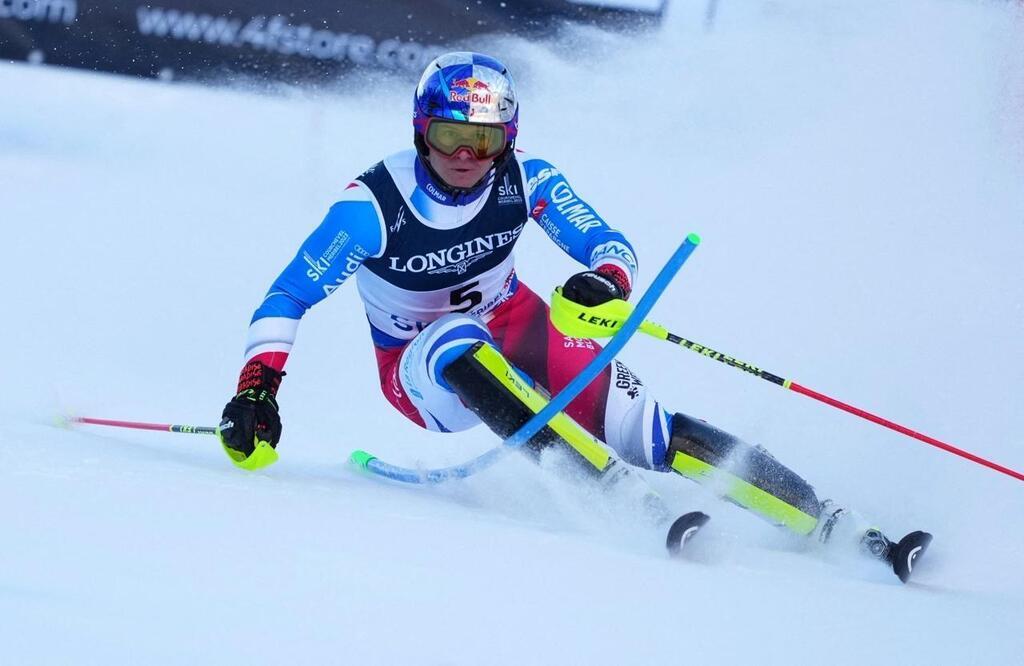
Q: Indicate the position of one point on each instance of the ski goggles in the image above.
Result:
(446, 137)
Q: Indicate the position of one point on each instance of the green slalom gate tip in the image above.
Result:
(693, 238)
(361, 458)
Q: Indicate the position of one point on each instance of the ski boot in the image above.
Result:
(900, 555)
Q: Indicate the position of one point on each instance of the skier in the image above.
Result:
(459, 339)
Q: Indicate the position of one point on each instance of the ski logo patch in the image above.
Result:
(399, 220)
(318, 266)
(508, 193)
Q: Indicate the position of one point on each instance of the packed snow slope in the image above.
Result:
(856, 172)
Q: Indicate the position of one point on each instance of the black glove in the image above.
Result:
(251, 416)
(596, 287)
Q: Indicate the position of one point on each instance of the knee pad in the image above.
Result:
(442, 342)
(421, 371)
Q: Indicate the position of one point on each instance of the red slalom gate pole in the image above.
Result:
(657, 331)
(136, 425)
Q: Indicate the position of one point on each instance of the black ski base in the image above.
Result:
(904, 554)
(683, 529)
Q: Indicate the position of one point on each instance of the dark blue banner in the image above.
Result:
(317, 40)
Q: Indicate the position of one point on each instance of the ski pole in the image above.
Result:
(136, 425)
(625, 330)
(574, 317)
(656, 331)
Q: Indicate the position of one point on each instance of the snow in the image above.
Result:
(855, 172)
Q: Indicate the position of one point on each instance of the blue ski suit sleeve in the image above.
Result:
(571, 222)
(350, 233)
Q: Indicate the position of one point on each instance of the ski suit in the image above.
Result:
(436, 273)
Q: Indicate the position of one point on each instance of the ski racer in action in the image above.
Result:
(428, 233)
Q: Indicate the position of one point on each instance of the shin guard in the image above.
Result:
(505, 400)
(743, 474)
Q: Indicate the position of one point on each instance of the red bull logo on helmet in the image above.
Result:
(470, 90)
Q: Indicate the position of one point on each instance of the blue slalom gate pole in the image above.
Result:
(559, 402)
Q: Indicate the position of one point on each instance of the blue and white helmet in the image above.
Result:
(466, 87)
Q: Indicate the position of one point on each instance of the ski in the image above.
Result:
(902, 555)
(907, 551)
(683, 529)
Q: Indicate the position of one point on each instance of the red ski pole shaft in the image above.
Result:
(659, 332)
(161, 427)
